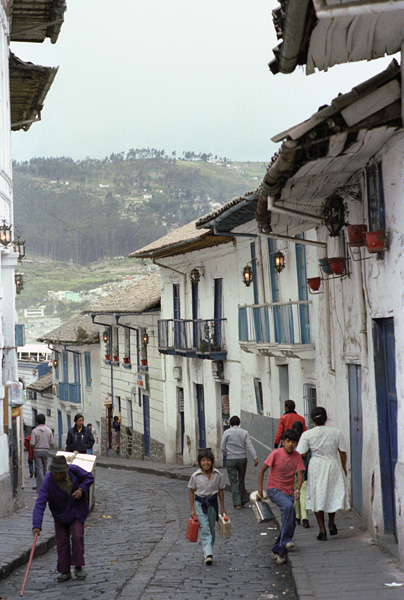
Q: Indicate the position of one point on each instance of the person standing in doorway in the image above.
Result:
(286, 421)
(235, 442)
(79, 438)
(116, 425)
(41, 441)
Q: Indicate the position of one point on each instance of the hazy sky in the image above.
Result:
(174, 75)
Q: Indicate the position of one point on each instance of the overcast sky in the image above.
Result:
(174, 75)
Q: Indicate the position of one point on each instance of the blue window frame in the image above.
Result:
(258, 396)
(303, 294)
(57, 358)
(87, 367)
(310, 402)
(76, 364)
(375, 192)
(65, 361)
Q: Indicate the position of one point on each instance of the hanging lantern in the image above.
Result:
(5, 233)
(334, 214)
(55, 363)
(19, 247)
(195, 275)
(248, 275)
(105, 336)
(145, 338)
(279, 261)
(19, 283)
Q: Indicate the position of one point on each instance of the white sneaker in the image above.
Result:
(278, 558)
(290, 546)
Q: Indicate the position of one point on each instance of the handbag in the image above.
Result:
(192, 529)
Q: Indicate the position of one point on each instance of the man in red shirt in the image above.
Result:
(287, 420)
(283, 462)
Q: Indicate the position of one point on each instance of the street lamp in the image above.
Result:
(248, 275)
(5, 233)
(279, 261)
(145, 338)
(19, 283)
(19, 247)
(105, 336)
(334, 214)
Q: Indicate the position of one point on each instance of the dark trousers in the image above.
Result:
(41, 466)
(67, 556)
(236, 468)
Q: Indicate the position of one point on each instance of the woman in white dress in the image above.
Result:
(325, 482)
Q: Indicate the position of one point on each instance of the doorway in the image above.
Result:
(201, 415)
(356, 433)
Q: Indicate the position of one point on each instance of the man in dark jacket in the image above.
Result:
(64, 488)
(79, 438)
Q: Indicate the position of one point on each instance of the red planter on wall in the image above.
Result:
(314, 283)
(376, 241)
(356, 235)
(337, 265)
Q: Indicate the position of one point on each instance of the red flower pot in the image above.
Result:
(356, 235)
(376, 241)
(337, 265)
(126, 360)
(116, 358)
(314, 283)
(143, 362)
(107, 357)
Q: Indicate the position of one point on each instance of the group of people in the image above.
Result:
(307, 472)
(65, 488)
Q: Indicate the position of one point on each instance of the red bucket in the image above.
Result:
(337, 265)
(314, 283)
(376, 241)
(356, 235)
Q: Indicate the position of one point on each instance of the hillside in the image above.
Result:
(83, 211)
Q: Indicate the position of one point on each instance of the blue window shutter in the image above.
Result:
(20, 334)
(87, 365)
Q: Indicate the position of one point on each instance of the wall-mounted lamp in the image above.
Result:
(5, 233)
(334, 214)
(19, 283)
(279, 261)
(248, 275)
(105, 336)
(19, 247)
(195, 275)
(55, 363)
(145, 338)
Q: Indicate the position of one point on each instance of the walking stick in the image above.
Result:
(31, 556)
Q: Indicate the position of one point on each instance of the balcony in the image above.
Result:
(279, 329)
(70, 392)
(197, 338)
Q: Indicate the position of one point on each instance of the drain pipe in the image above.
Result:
(293, 213)
(295, 23)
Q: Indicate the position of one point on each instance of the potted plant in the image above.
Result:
(107, 352)
(356, 235)
(116, 354)
(143, 359)
(126, 359)
(337, 265)
(314, 283)
(376, 241)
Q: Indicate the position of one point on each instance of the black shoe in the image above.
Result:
(298, 521)
(306, 523)
(333, 529)
(63, 577)
(209, 560)
(322, 536)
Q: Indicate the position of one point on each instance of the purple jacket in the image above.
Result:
(63, 507)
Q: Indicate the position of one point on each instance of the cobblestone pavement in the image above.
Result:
(136, 550)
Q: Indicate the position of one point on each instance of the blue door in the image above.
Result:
(356, 433)
(201, 415)
(217, 340)
(146, 424)
(60, 427)
(386, 399)
(177, 314)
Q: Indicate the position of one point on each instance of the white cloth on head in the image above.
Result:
(325, 480)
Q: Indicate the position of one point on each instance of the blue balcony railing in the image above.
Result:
(285, 323)
(70, 392)
(201, 338)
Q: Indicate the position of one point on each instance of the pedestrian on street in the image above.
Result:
(64, 488)
(41, 441)
(90, 427)
(116, 425)
(235, 442)
(300, 504)
(30, 451)
(286, 421)
(205, 485)
(79, 438)
(325, 481)
(283, 462)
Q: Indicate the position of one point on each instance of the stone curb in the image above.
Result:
(42, 547)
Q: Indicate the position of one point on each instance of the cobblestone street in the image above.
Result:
(136, 550)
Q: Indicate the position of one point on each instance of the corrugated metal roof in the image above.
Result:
(80, 330)
(140, 296)
(236, 212)
(29, 85)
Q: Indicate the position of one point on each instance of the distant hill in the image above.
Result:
(83, 211)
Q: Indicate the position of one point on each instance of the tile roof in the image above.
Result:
(138, 297)
(34, 21)
(42, 383)
(68, 332)
(183, 239)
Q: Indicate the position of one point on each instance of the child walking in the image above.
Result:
(205, 485)
(283, 462)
